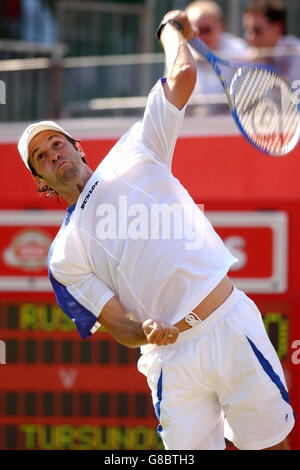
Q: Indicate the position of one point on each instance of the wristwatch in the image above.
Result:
(163, 24)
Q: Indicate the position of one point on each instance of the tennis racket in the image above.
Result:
(261, 102)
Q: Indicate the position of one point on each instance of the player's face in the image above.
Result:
(208, 28)
(55, 159)
(259, 32)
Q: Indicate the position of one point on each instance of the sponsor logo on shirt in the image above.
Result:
(87, 197)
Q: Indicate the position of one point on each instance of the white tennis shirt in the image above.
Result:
(136, 233)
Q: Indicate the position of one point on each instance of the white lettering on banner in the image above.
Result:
(67, 377)
(235, 244)
(276, 252)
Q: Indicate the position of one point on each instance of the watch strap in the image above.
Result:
(163, 24)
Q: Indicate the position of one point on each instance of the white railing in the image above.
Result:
(28, 76)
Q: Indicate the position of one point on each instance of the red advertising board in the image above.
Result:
(260, 242)
(26, 237)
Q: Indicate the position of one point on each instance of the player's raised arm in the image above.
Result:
(173, 32)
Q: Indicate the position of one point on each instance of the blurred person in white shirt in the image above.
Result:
(208, 22)
(265, 30)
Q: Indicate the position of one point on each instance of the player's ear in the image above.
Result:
(80, 149)
(41, 184)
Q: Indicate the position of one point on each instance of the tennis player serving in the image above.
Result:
(205, 351)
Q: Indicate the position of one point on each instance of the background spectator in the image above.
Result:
(265, 28)
(208, 21)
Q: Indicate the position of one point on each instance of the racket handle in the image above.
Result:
(205, 51)
(202, 48)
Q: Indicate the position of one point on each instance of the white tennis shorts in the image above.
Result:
(224, 370)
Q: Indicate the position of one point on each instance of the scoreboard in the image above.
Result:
(58, 391)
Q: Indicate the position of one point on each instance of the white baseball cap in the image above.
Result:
(31, 131)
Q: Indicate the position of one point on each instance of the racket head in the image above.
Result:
(265, 109)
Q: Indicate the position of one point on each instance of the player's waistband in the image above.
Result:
(203, 325)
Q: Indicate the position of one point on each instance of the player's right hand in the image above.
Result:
(159, 332)
(180, 16)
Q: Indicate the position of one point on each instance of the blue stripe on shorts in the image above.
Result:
(158, 403)
(270, 371)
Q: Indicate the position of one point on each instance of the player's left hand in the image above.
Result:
(159, 332)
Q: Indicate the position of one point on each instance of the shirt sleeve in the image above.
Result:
(79, 292)
(76, 301)
(161, 124)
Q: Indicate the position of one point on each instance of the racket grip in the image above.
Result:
(202, 48)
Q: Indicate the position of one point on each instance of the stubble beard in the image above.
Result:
(70, 174)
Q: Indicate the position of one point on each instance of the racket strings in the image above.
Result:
(267, 111)
(251, 88)
(265, 123)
